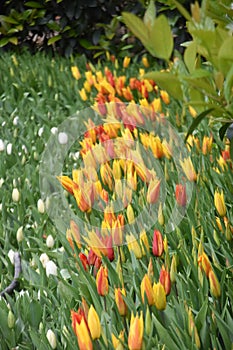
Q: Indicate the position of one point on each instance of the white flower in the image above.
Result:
(9, 149)
(0, 206)
(44, 259)
(54, 130)
(11, 256)
(15, 195)
(40, 132)
(19, 234)
(1, 182)
(2, 146)
(15, 120)
(51, 338)
(50, 241)
(62, 138)
(51, 268)
(40, 206)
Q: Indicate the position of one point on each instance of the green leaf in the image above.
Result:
(160, 43)
(225, 55)
(4, 42)
(8, 19)
(137, 27)
(190, 56)
(164, 335)
(223, 130)
(168, 82)
(228, 85)
(35, 313)
(149, 16)
(197, 120)
(34, 4)
(13, 40)
(182, 10)
(54, 39)
(201, 316)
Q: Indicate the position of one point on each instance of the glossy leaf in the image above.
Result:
(225, 55)
(137, 27)
(160, 43)
(168, 82)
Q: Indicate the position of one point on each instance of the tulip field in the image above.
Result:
(116, 226)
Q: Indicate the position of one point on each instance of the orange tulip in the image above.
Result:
(164, 279)
(153, 191)
(102, 281)
(121, 305)
(181, 197)
(136, 330)
(214, 284)
(146, 288)
(158, 245)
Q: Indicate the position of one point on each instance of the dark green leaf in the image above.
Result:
(196, 121)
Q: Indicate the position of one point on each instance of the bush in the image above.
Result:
(63, 26)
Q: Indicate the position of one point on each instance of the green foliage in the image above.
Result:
(203, 78)
(64, 26)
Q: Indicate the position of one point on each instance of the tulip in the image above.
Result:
(117, 342)
(51, 339)
(153, 191)
(83, 335)
(164, 279)
(75, 72)
(83, 260)
(160, 215)
(11, 319)
(173, 269)
(73, 234)
(83, 94)
(214, 284)
(145, 62)
(136, 329)
(192, 111)
(148, 323)
(193, 329)
(146, 288)
(207, 144)
(51, 268)
(102, 281)
(94, 323)
(181, 197)
(50, 241)
(121, 305)
(203, 260)
(159, 296)
(150, 270)
(67, 183)
(144, 242)
(220, 203)
(19, 234)
(188, 169)
(165, 97)
(126, 61)
(15, 195)
(134, 246)
(130, 214)
(158, 246)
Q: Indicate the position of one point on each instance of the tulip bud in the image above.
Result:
(158, 246)
(50, 241)
(181, 197)
(159, 296)
(44, 259)
(146, 288)
(150, 270)
(164, 279)
(130, 214)
(148, 323)
(51, 339)
(173, 269)
(11, 319)
(153, 191)
(214, 284)
(121, 305)
(15, 195)
(193, 329)
(134, 246)
(94, 323)
(40, 206)
(220, 203)
(205, 264)
(144, 242)
(84, 261)
(19, 234)
(117, 342)
(160, 215)
(51, 268)
(102, 281)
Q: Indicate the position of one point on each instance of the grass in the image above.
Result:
(37, 94)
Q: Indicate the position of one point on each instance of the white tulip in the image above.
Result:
(15, 195)
(51, 338)
(40, 206)
(2, 146)
(51, 268)
(50, 241)
(19, 234)
(9, 149)
(44, 259)
(62, 138)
